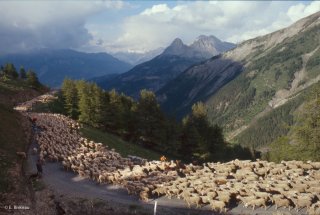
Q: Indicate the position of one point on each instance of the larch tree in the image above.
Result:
(70, 95)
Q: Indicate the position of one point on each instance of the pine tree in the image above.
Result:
(99, 105)
(10, 71)
(22, 73)
(70, 95)
(307, 131)
(206, 141)
(303, 141)
(127, 117)
(190, 140)
(32, 79)
(84, 102)
(113, 115)
(150, 119)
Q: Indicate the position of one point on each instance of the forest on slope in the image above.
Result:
(15, 130)
(143, 122)
(302, 141)
(253, 91)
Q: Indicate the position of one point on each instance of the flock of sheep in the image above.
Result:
(289, 184)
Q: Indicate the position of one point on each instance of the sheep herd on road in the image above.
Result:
(289, 184)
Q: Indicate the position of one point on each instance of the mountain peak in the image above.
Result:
(203, 47)
(210, 46)
(177, 42)
(177, 47)
(207, 38)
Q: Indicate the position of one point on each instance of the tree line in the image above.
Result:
(303, 140)
(143, 122)
(9, 72)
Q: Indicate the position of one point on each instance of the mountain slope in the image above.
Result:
(149, 75)
(209, 46)
(135, 58)
(154, 74)
(53, 65)
(197, 83)
(271, 70)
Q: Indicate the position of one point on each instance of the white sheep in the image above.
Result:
(218, 205)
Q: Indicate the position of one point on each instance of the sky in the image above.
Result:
(138, 26)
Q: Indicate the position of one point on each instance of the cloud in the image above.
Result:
(94, 26)
(232, 21)
(160, 8)
(26, 25)
(299, 11)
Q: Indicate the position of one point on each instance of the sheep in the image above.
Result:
(205, 199)
(314, 209)
(144, 195)
(224, 196)
(160, 190)
(280, 201)
(193, 199)
(245, 199)
(301, 202)
(315, 165)
(60, 140)
(257, 203)
(218, 205)
(300, 188)
(22, 154)
(34, 150)
(262, 195)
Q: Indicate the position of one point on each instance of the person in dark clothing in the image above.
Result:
(39, 168)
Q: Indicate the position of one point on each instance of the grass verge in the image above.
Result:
(121, 146)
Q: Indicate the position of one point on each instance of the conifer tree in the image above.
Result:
(113, 116)
(70, 95)
(22, 73)
(206, 140)
(32, 79)
(150, 119)
(10, 71)
(307, 131)
(99, 105)
(84, 102)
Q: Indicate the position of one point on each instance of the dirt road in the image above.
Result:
(68, 183)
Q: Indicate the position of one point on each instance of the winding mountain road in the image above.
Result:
(69, 183)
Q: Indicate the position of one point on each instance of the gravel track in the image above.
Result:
(69, 183)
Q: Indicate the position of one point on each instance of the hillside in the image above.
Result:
(15, 134)
(53, 66)
(250, 81)
(176, 58)
(149, 75)
(135, 58)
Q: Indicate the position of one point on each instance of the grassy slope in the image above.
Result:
(12, 139)
(12, 136)
(112, 141)
(243, 98)
(271, 126)
(121, 146)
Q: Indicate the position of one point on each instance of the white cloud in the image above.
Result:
(160, 8)
(28, 25)
(300, 10)
(228, 20)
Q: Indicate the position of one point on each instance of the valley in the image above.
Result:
(160, 107)
(145, 178)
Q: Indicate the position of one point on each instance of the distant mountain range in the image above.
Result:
(135, 58)
(253, 91)
(176, 58)
(204, 47)
(52, 66)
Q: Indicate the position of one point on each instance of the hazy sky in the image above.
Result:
(111, 26)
